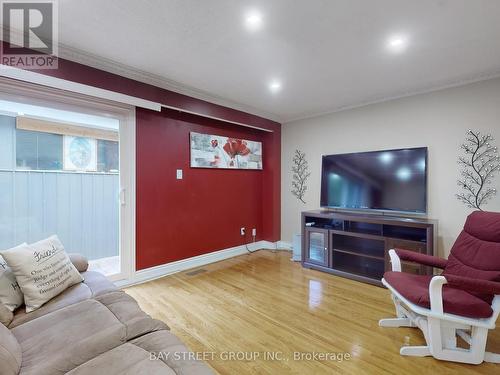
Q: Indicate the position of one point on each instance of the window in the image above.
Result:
(38, 151)
(45, 151)
(107, 156)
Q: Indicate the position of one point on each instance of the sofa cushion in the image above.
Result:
(169, 349)
(126, 359)
(43, 270)
(127, 310)
(10, 353)
(415, 288)
(94, 284)
(64, 339)
(97, 283)
(58, 342)
(153, 354)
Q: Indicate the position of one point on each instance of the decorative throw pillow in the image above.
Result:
(43, 270)
(10, 293)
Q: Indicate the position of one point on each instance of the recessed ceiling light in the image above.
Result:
(275, 86)
(397, 43)
(253, 20)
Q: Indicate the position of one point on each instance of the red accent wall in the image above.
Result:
(204, 211)
(178, 219)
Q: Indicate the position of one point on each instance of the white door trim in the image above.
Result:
(128, 196)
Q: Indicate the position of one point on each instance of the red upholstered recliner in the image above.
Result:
(464, 300)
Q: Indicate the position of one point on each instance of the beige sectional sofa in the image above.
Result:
(92, 328)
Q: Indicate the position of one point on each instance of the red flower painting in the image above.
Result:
(235, 147)
(216, 151)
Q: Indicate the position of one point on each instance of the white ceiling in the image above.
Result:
(328, 54)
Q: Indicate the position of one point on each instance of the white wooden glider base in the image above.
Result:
(440, 329)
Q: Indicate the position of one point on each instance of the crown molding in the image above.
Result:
(111, 66)
(438, 86)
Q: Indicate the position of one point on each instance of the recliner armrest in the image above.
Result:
(424, 259)
(473, 285)
(79, 261)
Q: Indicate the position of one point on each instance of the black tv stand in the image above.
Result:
(356, 245)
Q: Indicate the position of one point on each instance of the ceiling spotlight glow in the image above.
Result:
(421, 164)
(275, 86)
(386, 157)
(397, 43)
(253, 21)
(404, 174)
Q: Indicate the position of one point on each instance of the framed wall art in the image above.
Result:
(214, 151)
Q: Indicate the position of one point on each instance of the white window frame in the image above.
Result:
(13, 90)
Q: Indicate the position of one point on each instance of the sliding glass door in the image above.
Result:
(63, 171)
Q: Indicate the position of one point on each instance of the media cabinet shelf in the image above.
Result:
(357, 254)
(356, 245)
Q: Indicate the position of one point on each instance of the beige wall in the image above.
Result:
(437, 120)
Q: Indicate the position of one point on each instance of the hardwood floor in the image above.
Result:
(263, 302)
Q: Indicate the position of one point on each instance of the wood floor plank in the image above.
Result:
(263, 302)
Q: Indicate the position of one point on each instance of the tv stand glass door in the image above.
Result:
(317, 246)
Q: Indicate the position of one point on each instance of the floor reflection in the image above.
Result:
(315, 293)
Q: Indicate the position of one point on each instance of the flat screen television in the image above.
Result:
(389, 180)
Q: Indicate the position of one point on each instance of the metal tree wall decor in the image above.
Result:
(480, 162)
(300, 170)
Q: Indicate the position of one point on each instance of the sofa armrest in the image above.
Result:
(424, 259)
(473, 285)
(79, 261)
(6, 315)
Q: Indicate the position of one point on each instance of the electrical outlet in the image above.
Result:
(254, 232)
(242, 231)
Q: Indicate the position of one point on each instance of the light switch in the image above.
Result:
(179, 174)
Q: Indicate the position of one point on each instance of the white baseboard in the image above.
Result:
(197, 261)
(283, 245)
(279, 245)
